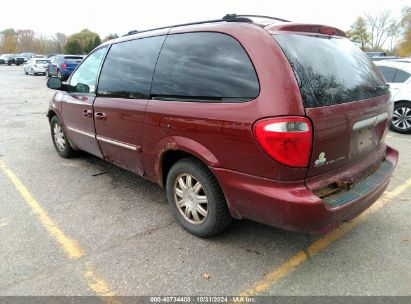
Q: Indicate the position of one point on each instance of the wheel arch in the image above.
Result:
(178, 148)
(402, 100)
(51, 113)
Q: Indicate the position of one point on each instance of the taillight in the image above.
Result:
(286, 139)
(63, 66)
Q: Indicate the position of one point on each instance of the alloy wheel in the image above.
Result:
(190, 199)
(59, 137)
(402, 118)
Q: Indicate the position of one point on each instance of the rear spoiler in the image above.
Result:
(306, 28)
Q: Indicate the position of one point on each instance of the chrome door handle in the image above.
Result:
(100, 116)
(87, 113)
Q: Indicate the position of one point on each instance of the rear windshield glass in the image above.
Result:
(72, 59)
(331, 70)
(42, 61)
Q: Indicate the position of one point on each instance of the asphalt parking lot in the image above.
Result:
(85, 227)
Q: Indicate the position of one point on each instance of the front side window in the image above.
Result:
(85, 77)
(128, 69)
(204, 67)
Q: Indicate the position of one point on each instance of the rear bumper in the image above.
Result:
(292, 206)
(39, 70)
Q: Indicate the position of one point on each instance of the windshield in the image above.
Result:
(331, 70)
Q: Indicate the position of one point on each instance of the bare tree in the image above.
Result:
(25, 40)
(381, 27)
(60, 40)
(394, 32)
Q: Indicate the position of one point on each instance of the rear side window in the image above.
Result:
(128, 69)
(331, 70)
(205, 67)
(388, 73)
(401, 76)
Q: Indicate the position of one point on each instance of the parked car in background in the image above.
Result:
(36, 66)
(379, 58)
(10, 59)
(398, 76)
(3, 58)
(63, 65)
(405, 59)
(376, 54)
(236, 119)
(23, 58)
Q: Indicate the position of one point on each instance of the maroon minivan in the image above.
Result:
(277, 122)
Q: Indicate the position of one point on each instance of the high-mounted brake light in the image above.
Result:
(327, 30)
(287, 139)
(63, 66)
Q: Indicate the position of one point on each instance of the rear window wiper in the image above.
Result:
(383, 86)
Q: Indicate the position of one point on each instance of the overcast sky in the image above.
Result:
(121, 16)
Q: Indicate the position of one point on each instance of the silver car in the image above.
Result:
(36, 66)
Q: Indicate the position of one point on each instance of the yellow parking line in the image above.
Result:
(71, 247)
(317, 246)
(99, 286)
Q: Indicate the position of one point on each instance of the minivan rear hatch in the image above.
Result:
(344, 95)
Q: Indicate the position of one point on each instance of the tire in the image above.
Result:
(214, 216)
(401, 120)
(25, 72)
(60, 140)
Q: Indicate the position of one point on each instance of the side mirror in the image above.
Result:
(55, 83)
(82, 88)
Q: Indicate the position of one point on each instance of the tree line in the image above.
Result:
(21, 41)
(372, 33)
(382, 32)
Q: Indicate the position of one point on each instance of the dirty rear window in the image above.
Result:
(331, 70)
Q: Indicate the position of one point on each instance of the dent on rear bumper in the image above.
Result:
(291, 205)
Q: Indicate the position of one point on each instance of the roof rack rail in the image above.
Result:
(183, 24)
(131, 33)
(226, 18)
(240, 18)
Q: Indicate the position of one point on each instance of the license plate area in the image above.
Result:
(364, 139)
(364, 136)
